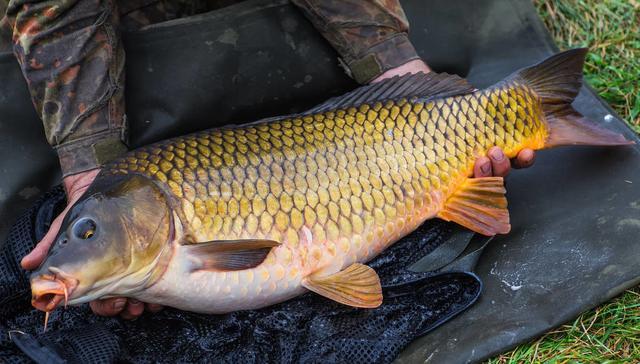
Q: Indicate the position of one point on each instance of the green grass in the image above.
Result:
(611, 29)
(608, 334)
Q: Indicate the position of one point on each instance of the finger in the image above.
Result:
(133, 310)
(500, 164)
(108, 306)
(153, 307)
(482, 167)
(524, 159)
(135, 307)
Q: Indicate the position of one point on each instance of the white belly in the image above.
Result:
(221, 292)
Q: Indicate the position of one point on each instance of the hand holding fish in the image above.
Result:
(75, 186)
(243, 217)
(497, 165)
(494, 164)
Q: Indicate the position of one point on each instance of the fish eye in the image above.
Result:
(84, 228)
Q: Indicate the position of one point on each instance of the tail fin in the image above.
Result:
(557, 81)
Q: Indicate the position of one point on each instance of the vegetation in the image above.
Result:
(611, 29)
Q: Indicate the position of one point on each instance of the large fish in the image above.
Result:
(243, 217)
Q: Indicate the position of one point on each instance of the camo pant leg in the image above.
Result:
(72, 58)
(134, 14)
(5, 28)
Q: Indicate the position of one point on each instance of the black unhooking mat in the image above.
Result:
(575, 214)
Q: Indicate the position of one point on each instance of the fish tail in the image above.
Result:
(557, 81)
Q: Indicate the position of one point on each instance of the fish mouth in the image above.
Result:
(48, 290)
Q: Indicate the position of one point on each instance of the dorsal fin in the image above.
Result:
(418, 85)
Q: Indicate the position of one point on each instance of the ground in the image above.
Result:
(611, 29)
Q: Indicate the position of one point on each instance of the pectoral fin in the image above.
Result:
(229, 255)
(357, 286)
(479, 205)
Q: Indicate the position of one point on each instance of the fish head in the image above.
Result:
(110, 243)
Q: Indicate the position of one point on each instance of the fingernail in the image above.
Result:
(133, 301)
(497, 155)
(486, 168)
(119, 304)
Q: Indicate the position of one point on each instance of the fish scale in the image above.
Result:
(335, 187)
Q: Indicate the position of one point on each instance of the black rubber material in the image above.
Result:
(574, 242)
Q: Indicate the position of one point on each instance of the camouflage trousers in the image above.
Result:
(134, 14)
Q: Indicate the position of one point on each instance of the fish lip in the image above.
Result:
(49, 290)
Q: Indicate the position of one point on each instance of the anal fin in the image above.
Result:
(479, 205)
(358, 285)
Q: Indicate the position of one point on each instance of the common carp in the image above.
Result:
(243, 217)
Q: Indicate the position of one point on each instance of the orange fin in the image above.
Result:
(358, 285)
(479, 205)
(229, 255)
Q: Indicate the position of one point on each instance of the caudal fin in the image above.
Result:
(557, 81)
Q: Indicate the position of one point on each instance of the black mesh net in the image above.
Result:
(305, 329)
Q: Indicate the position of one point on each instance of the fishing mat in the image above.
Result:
(575, 214)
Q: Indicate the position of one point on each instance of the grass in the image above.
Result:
(611, 29)
(607, 334)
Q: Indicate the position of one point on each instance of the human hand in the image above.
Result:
(127, 308)
(496, 164)
(75, 186)
(415, 66)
